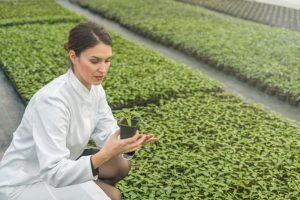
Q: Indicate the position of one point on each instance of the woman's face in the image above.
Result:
(92, 64)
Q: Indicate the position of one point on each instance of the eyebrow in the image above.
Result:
(101, 58)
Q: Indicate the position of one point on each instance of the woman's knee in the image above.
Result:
(116, 194)
(124, 169)
(121, 171)
(115, 171)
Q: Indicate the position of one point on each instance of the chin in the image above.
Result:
(97, 83)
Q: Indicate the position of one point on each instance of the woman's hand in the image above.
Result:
(115, 146)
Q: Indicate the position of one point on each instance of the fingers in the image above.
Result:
(135, 137)
(147, 138)
(143, 140)
(152, 140)
(117, 133)
(140, 140)
(137, 141)
(132, 140)
(151, 137)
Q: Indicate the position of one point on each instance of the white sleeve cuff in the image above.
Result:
(127, 156)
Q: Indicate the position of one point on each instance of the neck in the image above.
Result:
(87, 85)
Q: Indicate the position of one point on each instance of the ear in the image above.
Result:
(72, 56)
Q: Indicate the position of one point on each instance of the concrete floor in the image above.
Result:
(286, 3)
(11, 112)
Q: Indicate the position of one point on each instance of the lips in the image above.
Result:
(99, 77)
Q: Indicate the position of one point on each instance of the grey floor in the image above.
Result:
(11, 112)
(286, 3)
(275, 13)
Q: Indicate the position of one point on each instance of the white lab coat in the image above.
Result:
(56, 127)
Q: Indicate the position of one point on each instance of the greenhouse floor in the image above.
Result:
(11, 111)
(286, 3)
(277, 13)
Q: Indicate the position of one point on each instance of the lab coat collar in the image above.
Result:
(77, 85)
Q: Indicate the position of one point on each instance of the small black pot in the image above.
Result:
(128, 131)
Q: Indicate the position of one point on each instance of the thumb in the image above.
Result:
(116, 134)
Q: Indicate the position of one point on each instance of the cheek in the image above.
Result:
(87, 68)
(107, 67)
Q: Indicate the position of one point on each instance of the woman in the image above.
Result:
(43, 159)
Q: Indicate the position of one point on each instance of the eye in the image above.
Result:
(107, 61)
(94, 61)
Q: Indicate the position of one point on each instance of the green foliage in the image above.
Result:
(130, 115)
(214, 147)
(265, 56)
(26, 12)
(137, 76)
(33, 55)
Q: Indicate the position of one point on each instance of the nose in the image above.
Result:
(102, 67)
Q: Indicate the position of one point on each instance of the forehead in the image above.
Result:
(100, 50)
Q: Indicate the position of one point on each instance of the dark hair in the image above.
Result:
(86, 35)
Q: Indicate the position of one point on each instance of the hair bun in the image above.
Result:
(66, 46)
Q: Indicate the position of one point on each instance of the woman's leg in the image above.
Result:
(110, 173)
(114, 170)
(111, 191)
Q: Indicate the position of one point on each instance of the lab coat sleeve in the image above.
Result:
(51, 119)
(106, 124)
